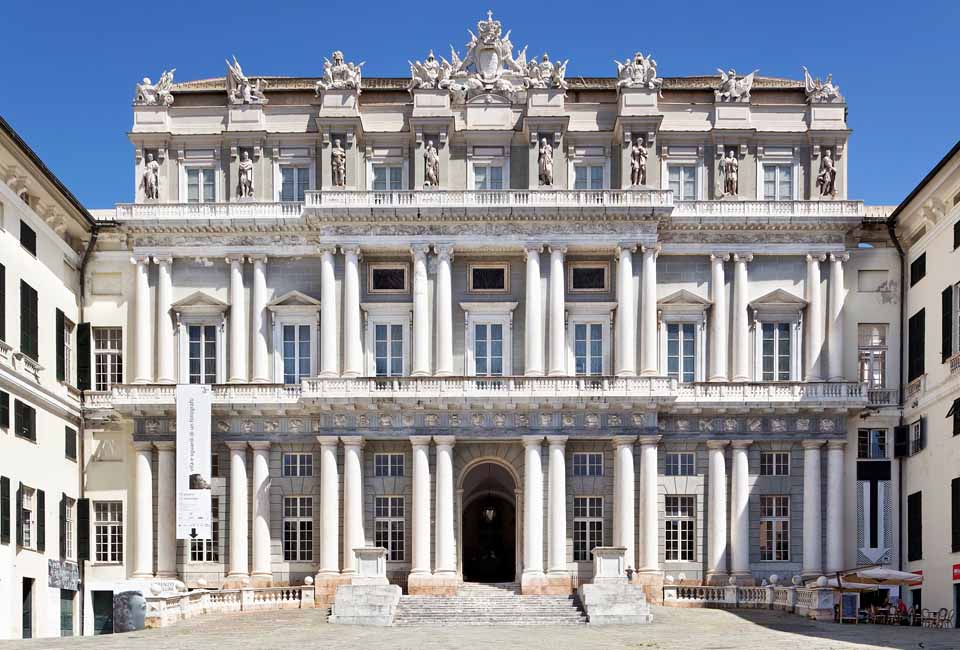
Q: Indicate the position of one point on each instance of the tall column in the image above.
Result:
(835, 322)
(166, 509)
(444, 311)
(623, 497)
(741, 320)
(421, 312)
(353, 536)
(533, 306)
(165, 354)
(835, 538)
(238, 321)
(557, 500)
(812, 528)
(740, 510)
(329, 507)
(239, 565)
(143, 368)
(532, 508)
(352, 326)
(261, 511)
(717, 523)
(258, 320)
(648, 313)
(626, 313)
(329, 354)
(558, 327)
(420, 517)
(143, 548)
(718, 319)
(814, 343)
(649, 526)
(446, 564)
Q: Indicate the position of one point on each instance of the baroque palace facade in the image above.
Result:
(490, 318)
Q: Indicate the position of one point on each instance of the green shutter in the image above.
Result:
(19, 514)
(3, 302)
(946, 324)
(4, 409)
(83, 529)
(4, 510)
(63, 526)
(60, 342)
(83, 356)
(955, 513)
(41, 521)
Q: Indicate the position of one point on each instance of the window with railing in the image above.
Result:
(872, 354)
(107, 357)
(776, 351)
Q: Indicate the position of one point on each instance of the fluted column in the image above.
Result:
(166, 509)
(740, 509)
(258, 320)
(717, 523)
(835, 537)
(444, 311)
(814, 343)
(329, 352)
(421, 312)
(238, 322)
(718, 319)
(420, 516)
(143, 542)
(558, 326)
(626, 313)
(812, 512)
(261, 510)
(557, 505)
(648, 313)
(649, 507)
(835, 322)
(329, 507)
(446, 564)
(352, 326)
(353, 535)
(143, 368)
(165, 354)
(623, 497)
(741, 320)
(532, 507)
(533, 306)
(239, 526)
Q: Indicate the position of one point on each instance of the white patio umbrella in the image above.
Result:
(881, 576)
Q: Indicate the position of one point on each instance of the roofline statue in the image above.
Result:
(733, 88)
(821, 92)
(159, 94)
(240, 90)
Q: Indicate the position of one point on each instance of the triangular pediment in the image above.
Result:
(684, 298)
(294, 299)
(778, 298)
(200, 302)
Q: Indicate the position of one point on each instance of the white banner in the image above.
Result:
(193, 461)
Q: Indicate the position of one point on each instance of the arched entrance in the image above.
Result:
(489, 523)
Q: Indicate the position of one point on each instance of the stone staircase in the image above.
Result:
(489, 604)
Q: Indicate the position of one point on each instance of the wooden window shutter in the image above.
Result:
(955, 515)
(946, 323)
(41, 521)
(4, 409)
(4, 510)
(83, 529)
(83, 356)
(59, 337)
(20, 514)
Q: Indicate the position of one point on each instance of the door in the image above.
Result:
(956, 605)
(103, 612)
(28, 608)
(66, 612)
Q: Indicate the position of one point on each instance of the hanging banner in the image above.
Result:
(193, 461)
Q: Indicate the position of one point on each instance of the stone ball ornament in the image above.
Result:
(733, 581)
(202, 583)
(669, 580)
(308, 580)
(796, 580)
(155, 589)
(774, 579)
(822, 581)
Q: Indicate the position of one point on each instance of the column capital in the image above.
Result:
(139, 259)
(443, 441)
(328, 441)
(236, 445)
(623, 441)
(813, 444)
(232, 259)
(532, 441)
(840, 257)
(327, 248)
(557, 441)
(530, 249)
(261, 445)
(165, 445)
(558, 248)
(352, 441)
(743, 257)
(719, 257)
(420, 441)
(717, 444)
(163, 259)
(444, 250)
(741, 444)
(143, 445)
(836, 444)
(259, 257)
(818, 257)
(622, 247)
(419, 250)
(652, 249)
(347, 249)
(647, 441)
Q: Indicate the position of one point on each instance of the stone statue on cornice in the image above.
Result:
(731, 172)
(431, 164)
(159, 94)
(339, 74)
(338, 165)
(245, 173)
(240, 90)
(150, 181)
(638, 72)
(821, 92)
(734, 89)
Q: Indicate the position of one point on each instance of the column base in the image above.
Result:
(236, 581)
(718, 378)
(651, 580)
(553, 584)
(743, 579)
(533, 373)
(140, 575)
(649, 372)
(717, 578)
(325, 588)
(167, 575)
(433, 584)
(261, 579)
(257, 380)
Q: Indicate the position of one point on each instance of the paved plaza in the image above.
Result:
(680, 629)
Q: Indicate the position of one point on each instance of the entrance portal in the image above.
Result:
(489, 525)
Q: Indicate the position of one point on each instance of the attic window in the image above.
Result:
(489, 278)
(589, 276)
(388, 278)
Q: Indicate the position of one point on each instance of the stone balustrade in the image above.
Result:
(208, 211)
(164, 610)
(489, 199)
(882, 396)
(810, 603)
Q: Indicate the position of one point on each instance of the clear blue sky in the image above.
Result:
(70, 68)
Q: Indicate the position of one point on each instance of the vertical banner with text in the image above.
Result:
(193, 461)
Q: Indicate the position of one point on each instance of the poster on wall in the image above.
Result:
(193, 461)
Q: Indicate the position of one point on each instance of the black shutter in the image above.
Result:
(83, 529)
(20, 514)
(4, 409)
(83, 356)
(41, 521)
(70, 443)
(956, 234)
(63, 526)
(923, 433)
(3, 302)
(915, 526)
(58, 337)
(955, 513)
(4, 510)
(915, 334)
(28, 321)
(901, 445)
(946, 323)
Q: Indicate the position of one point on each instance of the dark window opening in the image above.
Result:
(28, 238)
(589, 278)
(918, 269)
(388, 279)
(488, 278)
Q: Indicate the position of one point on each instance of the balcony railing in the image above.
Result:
(211, 211)
(882, 396)
(915, 387)
(954, 364)
(769, 209)
(490, 199)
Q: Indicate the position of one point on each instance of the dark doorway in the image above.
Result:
(28, 608)
(956, 605)
(66, 612)
(103, 612)
(489, 540)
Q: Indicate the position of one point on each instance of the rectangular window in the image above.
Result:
(208, 550)
(918, 440)
(298, 465)
(588, 177)
(108, 531)
(295, 181)
(487, 177)
(387, 177)
(68, 530)
(776, 352)
(388, 350)
(775, 528)
(296, 353)
(679, 464)
(683, 182)
(215, 465)
(774, 463)
(200, 185)
(918, 269)
(28, 238)
(27, 521)
(108, 357)
(70, 443)
(681, 351)
(24, 421)
(915, 527)
(388, 527)
(587, 527)
(589, 277)
(778, 182)
(489, 278)
(588, 348)
(488, 349)
(872, 443)
(388, 464)
(67, 350)
(202, 354)
(680, 519)
(588, 464)
(29, 321)
(388, 278)
(298, 529)
(872, 354)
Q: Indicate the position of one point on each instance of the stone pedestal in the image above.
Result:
(371, 566)
(611, 600)
(651, 582)
(637, 101)
(365, 604)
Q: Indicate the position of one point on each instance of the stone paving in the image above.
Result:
(672, 629)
